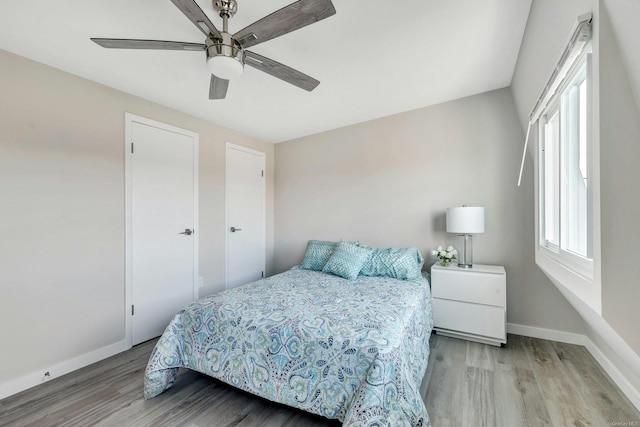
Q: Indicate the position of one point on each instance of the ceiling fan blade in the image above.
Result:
(289, 18)
(147, 44)
(218, 88)
(280, 71)
(192, 11)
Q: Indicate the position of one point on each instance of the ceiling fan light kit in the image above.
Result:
(226, 54)
(225, 57)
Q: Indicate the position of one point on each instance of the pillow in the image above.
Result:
(347, 260)
(317, 254)
(399, 263)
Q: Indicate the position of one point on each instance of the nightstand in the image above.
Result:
(470, 303)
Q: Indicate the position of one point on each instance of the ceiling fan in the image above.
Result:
(226, 52)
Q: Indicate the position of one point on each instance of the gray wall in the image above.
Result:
(62, 211)
(546, 34)
(619, 180)
(623, 14)
(388, 182)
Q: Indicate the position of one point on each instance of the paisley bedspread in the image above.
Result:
(355, 351)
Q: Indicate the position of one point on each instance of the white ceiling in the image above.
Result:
(373, 58)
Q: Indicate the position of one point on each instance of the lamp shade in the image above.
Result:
(465, 220)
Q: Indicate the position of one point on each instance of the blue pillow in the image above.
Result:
(347, 260)
(399, 263)
(317, 254)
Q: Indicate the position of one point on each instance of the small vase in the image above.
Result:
(445, 263)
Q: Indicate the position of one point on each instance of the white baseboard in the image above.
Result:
(630, 391)
(36, 378)
(546, 334)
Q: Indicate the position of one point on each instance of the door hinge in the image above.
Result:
(133, 310)
(132, 148)
(263, 173)
(262, 274)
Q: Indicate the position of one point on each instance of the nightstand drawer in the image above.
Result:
(475, 319)
(468, 286)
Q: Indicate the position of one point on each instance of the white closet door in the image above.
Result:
(162, 227)
(245, 189)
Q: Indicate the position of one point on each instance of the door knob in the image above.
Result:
(187, 232)
(233, 229)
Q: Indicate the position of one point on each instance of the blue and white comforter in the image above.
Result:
(352, 350)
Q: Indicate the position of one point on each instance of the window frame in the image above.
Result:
(576, 263)
(553, 246)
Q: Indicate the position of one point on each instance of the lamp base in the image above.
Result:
(465, 259)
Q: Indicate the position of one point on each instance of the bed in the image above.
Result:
(352, 350)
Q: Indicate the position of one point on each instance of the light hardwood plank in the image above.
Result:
(479, 388)
(564, 402)
(446, 385)
(535, 408)
(480, 356)
(509, 402)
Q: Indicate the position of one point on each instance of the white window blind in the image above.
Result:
(579, 40)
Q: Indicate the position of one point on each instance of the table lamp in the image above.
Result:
(465, 221)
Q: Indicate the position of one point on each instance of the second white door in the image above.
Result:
(245, 189)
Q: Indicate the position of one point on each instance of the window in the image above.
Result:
(566, 209)
(565, 125)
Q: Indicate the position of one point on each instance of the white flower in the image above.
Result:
(445, 255)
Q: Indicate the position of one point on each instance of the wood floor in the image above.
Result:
(530, 382)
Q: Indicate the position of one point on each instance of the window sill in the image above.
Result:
(578, 265)
(586, 289)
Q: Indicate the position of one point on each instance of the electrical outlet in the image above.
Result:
(201, 281)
